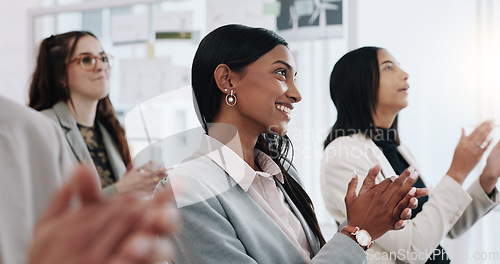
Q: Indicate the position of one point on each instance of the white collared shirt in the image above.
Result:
(261, 186)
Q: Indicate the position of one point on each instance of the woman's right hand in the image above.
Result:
(469, 151)
(141, 180)
(382, 207)
(120, 229)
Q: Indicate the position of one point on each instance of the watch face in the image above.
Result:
(363, 238)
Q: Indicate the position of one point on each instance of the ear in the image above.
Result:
(222, 76)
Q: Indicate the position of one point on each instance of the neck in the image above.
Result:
(384, 119)
(84, 111)
(242, 141)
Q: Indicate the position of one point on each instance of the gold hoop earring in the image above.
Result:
(231, 99)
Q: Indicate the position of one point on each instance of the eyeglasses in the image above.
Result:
(89, 61)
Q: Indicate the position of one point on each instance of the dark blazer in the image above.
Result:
(61, 114)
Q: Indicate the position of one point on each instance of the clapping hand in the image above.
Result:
(381, 207)
(120, 229)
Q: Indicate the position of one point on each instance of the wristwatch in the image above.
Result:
(362, 236)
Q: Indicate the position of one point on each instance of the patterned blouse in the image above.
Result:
(93, 138)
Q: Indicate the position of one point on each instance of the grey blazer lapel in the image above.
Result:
(313, 240)
(114, 156)
(72, 133)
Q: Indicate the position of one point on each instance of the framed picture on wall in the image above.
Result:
(310, 19)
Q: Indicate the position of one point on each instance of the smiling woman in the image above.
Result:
(244, 202)
(266, 92)
(71, 85)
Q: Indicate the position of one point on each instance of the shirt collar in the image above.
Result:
(268, 165)
(234, 165)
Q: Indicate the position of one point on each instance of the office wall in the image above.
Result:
(436, 43)
(14, 68)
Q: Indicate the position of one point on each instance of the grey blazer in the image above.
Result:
(223, 224)
(61, 114)
(33, 158)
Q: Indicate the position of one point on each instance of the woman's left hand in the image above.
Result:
(141, 180)
(381, 207)
(369, 183)
(491, 171)
(469, 151)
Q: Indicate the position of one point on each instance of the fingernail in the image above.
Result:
(393, 178)
(408, 215)
(411, 169)
(412, 191)
(403, 225)
(354, 174)
(414, 175)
